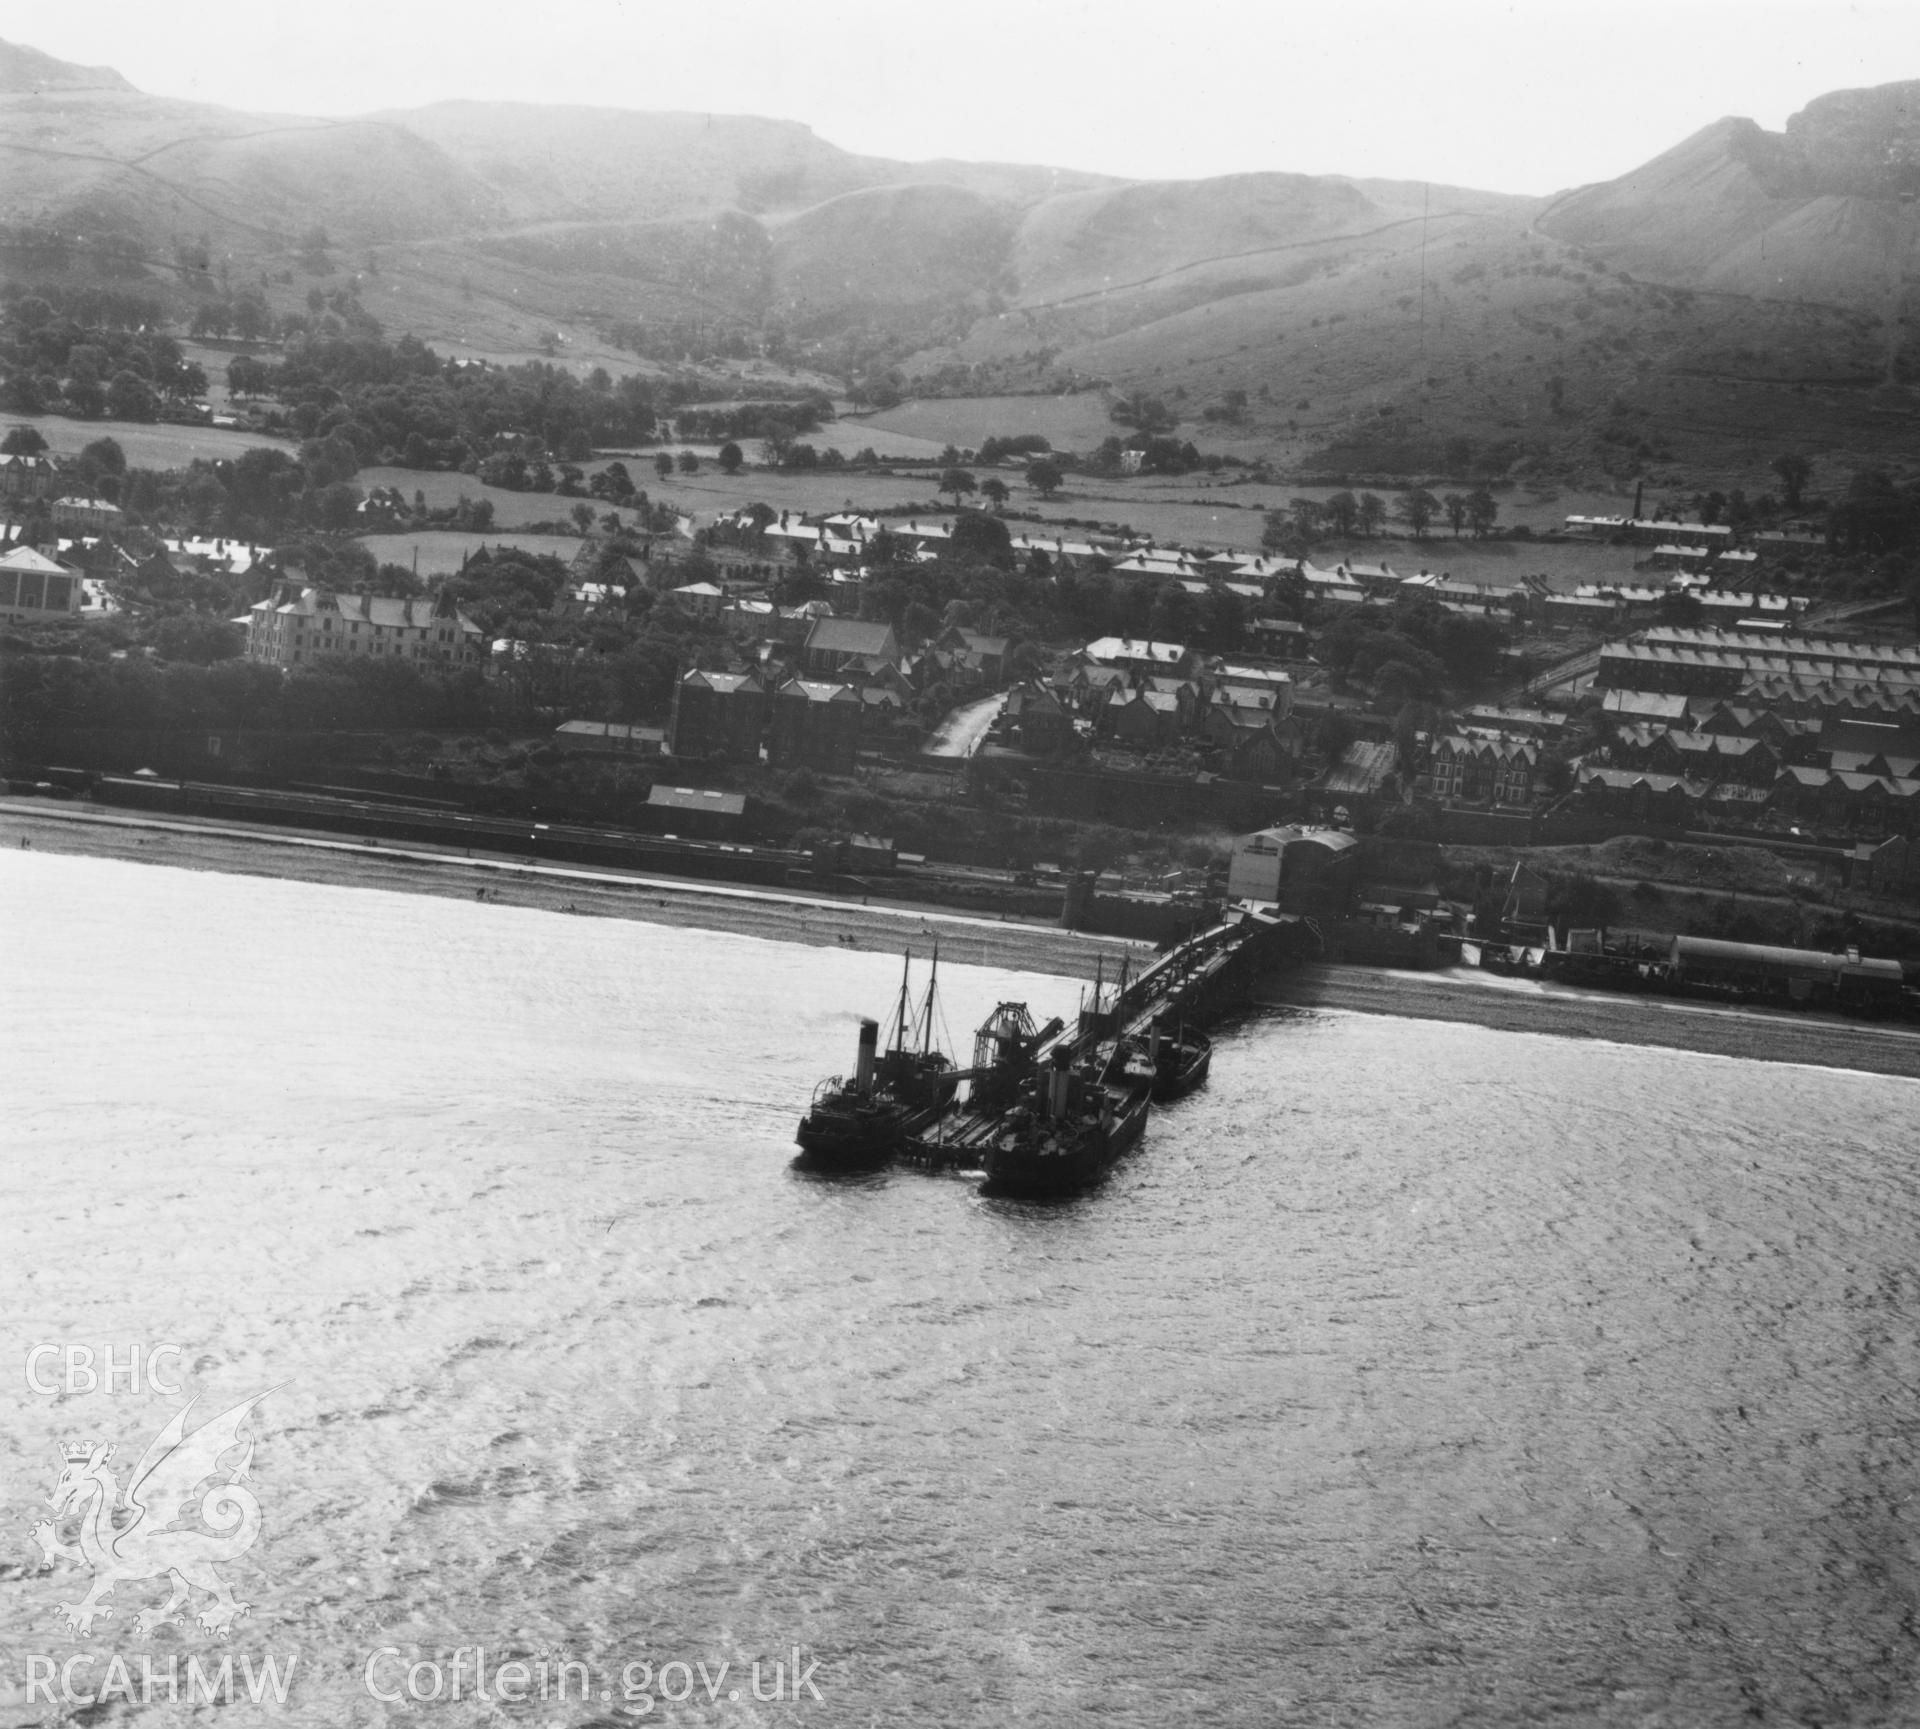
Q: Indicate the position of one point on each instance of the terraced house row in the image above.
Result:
(298, 624)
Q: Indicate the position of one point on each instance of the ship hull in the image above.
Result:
(870, 1134)
(1040, 1162)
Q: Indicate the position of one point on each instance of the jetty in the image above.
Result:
(1197, 982)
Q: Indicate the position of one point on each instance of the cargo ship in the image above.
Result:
(865, 1118)
(1073, 1124)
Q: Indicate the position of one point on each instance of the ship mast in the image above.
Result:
(926, 1033)
(900, 1028)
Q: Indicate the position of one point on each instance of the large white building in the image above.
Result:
(296, 626)
(34, 588)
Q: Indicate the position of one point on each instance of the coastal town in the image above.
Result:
(1430, 751)
(849, 883)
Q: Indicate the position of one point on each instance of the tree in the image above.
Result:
(731, 457)
(958, 482)
(131, 397)
(1309, 517)
(1482, 512)
(1794, 470)
(1455, 506)
(979, 538)
(1679, 607)
(247, 376)
(994, 490)
(1417, 509)
(1343, 514)
(103, 456)
(193, 637)
(1045, 478)
(1148, 413)
(663, 466)
(22, 441)
(689, 463)
(1373, 512)
(1399, 683)
(252, 317)
(582, 515)
(1174, 615)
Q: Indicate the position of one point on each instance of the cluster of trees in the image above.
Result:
(687, 341)
(89, 307)
(1158, 454)
(1148, 413)
(961, 484)
(403, 402)
(247, 316)
(43, 693)
(772, 421)
(1344, 516)
(51, 359)
(997, 448)
(1416, 653)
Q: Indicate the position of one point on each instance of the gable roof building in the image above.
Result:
(298, 625)
(833, 642)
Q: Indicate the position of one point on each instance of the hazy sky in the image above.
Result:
(1529, 96)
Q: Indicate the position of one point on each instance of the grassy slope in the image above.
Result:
(1369, 321)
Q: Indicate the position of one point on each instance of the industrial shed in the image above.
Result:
(1790, 975)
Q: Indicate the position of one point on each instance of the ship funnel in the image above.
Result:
(869, 1040)
(1060, 1087)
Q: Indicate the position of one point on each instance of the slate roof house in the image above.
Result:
(833, 642)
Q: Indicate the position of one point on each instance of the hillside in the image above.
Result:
(24, 71)
(1742, 290)
(1823, 211)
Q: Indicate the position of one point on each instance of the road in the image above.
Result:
(962, 732)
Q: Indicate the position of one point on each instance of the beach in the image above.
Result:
(1456, 994)
(1529, 1006)
(821, 920)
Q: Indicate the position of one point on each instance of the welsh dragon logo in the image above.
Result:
(144, 1533)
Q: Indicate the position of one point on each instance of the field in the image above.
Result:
(440, 552)
(1067, 422)
(157, 446)
(1223, 512)
(511, 510)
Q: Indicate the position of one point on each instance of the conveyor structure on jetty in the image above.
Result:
(1197, 982)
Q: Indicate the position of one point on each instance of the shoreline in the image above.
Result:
(1706, 1029)
(1009, 945)
(305, 855)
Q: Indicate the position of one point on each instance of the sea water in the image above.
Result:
(1408, 1373)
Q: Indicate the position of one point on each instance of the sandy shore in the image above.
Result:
(593, 892)
(1828, 1041)
(1009, 944)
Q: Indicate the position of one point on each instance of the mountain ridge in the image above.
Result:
(1354, 314)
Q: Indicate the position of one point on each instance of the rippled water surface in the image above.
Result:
(1409, 1374)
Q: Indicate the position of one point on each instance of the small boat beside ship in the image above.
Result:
(892, 1095)
(1179, 1057)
